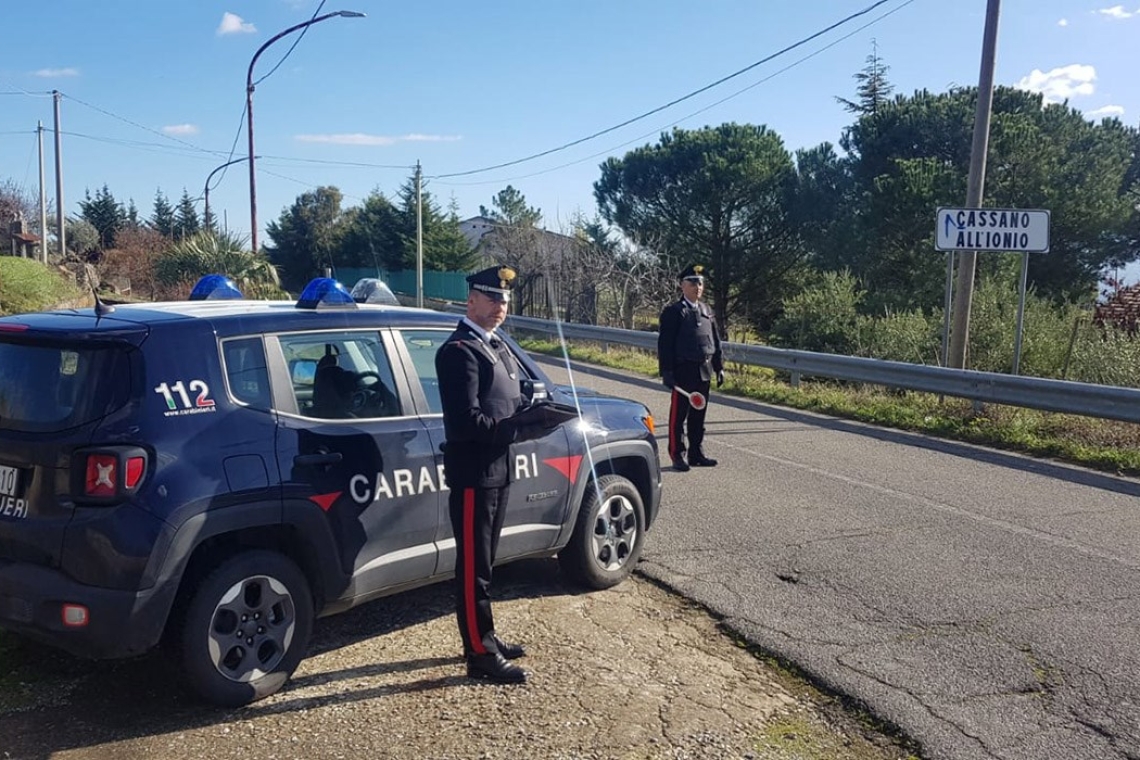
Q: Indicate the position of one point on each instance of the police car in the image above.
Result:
(217, 473)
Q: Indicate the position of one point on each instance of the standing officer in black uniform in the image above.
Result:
(479, 388)
(688, 353)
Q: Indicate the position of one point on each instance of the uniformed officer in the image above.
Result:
(479, 389)
(688, 355)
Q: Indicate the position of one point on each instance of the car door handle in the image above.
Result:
(317, 460)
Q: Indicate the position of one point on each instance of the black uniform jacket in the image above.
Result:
(479, 387)
(688, 334)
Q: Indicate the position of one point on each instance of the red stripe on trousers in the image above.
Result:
(469, 571)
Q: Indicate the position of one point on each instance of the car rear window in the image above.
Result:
(46, 388)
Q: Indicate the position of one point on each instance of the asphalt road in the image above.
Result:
(983, 602)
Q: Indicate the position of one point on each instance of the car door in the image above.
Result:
(541, 469)
(353, 445)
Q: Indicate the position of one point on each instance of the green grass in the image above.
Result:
(1105, 445)
(27, 286)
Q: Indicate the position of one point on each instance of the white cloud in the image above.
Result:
(1062, 83)
(181, 129)
(1063, 22)
(1116, 11)
(1105, 111)
(233, 24)
(56, 73)
(431, 138)
(363, 139)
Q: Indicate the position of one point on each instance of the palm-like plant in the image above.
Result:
(219, 253)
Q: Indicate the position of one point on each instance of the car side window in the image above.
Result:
(341, 375)
(421, 346)
(246, 372)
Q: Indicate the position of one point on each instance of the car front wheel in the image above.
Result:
(608, 535)
(246, 628)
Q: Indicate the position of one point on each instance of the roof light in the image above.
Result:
(323, 293)
(214, 287)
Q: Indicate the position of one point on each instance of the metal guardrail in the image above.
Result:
(1104, 401)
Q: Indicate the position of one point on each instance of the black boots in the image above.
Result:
(509, 651)
(696, 459)
(494, 667)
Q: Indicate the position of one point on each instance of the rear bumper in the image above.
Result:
(120, 623)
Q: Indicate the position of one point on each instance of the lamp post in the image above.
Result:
(249, 110)
(206, 189)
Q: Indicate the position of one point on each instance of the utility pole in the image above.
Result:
(975, 184)
(419, 238)
(43, 194)
(56, 95)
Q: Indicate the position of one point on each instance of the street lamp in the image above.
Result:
(206, 193)
(249, 110)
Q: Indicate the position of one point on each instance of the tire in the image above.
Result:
(246, 628)
(608, 534)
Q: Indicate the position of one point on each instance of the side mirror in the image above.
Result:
(534, 390)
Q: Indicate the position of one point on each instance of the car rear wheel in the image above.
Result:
(246, 628)
(608, 535)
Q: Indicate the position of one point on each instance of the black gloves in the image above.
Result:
(719, 378)
(667, 379)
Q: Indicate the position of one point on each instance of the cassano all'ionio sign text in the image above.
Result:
(992, 229)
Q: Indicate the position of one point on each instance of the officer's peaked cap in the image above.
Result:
(693, 270)
(496, 281)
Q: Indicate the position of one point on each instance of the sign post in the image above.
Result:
(995, 229)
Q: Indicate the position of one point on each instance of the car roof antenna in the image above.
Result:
(101, 309)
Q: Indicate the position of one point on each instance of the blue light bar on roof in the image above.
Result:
(324, 293)
(213, 287)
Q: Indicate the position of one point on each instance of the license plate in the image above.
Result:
(9, 480)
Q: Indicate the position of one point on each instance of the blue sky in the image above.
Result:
(154, 90)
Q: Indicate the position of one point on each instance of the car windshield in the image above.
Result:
(47, 388)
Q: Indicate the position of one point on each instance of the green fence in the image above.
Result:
(446, 286)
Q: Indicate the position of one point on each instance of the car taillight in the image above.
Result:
(136, 466)
(102, 476)
(109, 474)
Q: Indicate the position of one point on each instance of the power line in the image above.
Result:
(144, 128)
(296, 42)
(671, 103)
(241, 121)
(674, 123)
(202, 153)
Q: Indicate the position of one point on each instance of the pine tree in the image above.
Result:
(162, 220)
(874, 90)
(105, 214)
(186, 221)
(132, 218)
(511, 209)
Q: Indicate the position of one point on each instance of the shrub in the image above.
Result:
(902, 336)
(822, 317)
(993, 330)
(206, 253)
(1108, 355)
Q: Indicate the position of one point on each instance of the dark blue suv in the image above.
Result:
(217, 473)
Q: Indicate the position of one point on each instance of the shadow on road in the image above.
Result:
(66, 703)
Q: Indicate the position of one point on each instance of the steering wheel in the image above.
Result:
(368, 395)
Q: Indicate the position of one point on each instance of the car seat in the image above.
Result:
(333, 386)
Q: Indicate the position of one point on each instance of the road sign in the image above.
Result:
(992, 229)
